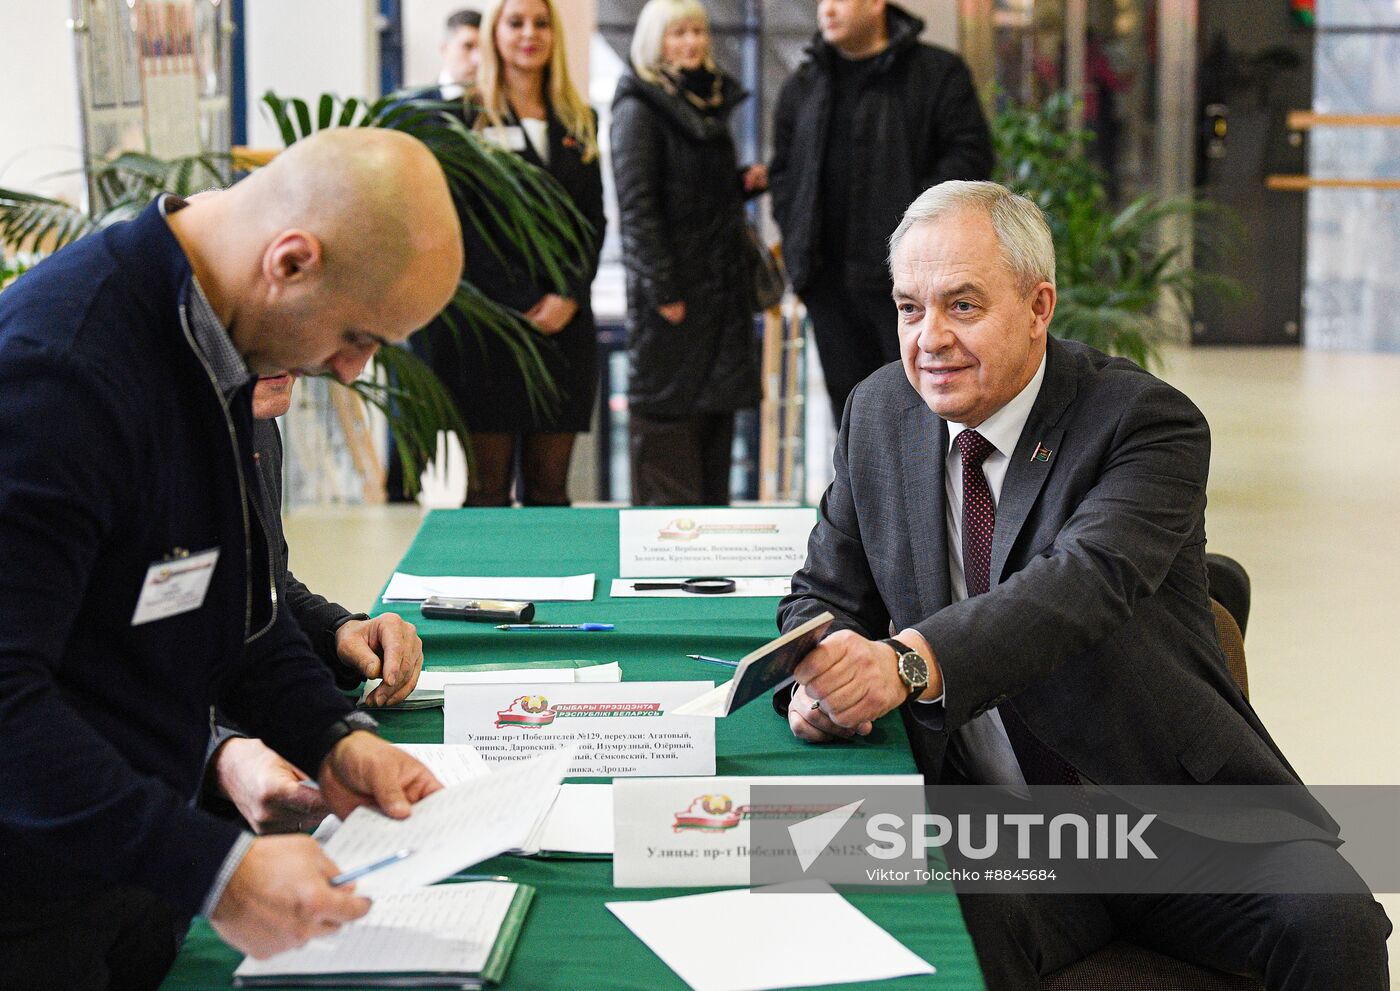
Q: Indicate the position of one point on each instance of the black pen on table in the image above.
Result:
(713, 660)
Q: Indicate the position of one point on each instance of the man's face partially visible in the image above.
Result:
(970, 337)
(461, 55)
(272, 396)
(849, 24)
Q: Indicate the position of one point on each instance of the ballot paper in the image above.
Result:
(451, 764)
(761, 671)
(731, 940)
(404, 587)
(432, 684)
(458, 935)
(451, 829)
(744, 588)
(580, 822)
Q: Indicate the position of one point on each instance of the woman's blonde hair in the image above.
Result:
(655, 18)
(572, 109)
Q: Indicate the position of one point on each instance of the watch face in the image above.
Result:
(914, 670)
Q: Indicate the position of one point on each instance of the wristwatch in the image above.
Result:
(912, 668)
(340, 729)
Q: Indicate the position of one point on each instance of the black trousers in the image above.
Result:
(681, 462)
(115, 939)
(856, 333)
(1292, 942)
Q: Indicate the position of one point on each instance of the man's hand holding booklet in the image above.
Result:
(765, 669)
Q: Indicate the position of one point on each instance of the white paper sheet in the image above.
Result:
(710, 703)
(450, 928)
(767, 938)
(579, 821)
(431, 684)
(744, 588)
(451, 763)
(452, 829)
(404, 587)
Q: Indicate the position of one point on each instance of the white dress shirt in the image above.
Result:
(981, 747)
(537, 130)
(449, 87)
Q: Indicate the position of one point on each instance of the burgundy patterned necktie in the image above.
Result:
(978, 511)
(1039, 764)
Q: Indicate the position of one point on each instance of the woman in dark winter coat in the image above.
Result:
(526, 103)
(681, 196)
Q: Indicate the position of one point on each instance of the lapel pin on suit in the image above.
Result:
(1041, 453)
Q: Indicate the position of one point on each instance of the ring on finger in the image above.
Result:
(817, 704)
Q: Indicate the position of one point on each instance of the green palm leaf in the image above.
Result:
(416, 406)
(513, 206)
(37, 224)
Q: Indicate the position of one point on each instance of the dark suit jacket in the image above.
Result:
(1097, 628)
(482, 373)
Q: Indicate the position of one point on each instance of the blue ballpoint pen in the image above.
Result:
(360, 872)
(713, 660)
(558, 627)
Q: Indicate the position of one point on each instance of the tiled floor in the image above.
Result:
(1305, 492)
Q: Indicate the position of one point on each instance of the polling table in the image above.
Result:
(570, 940)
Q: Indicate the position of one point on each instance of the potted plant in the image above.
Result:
(1113, 268)
(523, 205)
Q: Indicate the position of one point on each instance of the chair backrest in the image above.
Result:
(1231, 644)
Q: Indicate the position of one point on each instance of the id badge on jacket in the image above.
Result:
(174, 586)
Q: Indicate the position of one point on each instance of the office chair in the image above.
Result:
(1124, 966)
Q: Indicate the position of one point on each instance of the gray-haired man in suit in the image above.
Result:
(1029, 514)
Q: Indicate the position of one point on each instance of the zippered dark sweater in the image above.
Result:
(115, 454)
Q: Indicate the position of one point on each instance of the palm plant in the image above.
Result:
(1112, 268)
(512, 204)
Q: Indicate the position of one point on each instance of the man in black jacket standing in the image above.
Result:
(869, 121)
(265, 788)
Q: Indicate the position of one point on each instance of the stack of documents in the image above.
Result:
(449, 935)
(404, 587)
(429, 692)
(732, 941)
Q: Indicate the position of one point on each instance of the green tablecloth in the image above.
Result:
(570, 940)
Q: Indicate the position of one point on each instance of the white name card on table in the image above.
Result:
(695, 832)
(729, 543)
(404, 587)
(623, 729)
(785, 936)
